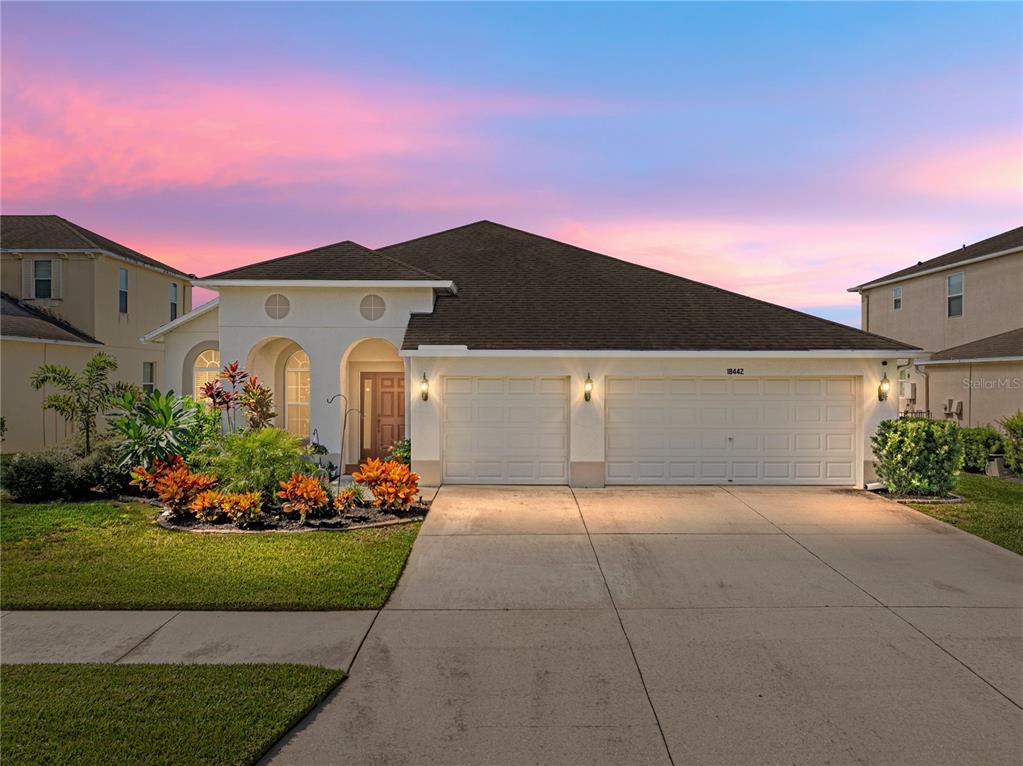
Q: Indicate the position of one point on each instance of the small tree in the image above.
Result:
(82, 396)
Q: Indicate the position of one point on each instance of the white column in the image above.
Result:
(324, 383)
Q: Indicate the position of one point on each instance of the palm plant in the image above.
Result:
(82, 396)
(158, 427)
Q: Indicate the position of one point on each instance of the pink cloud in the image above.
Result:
(986, 168)
(803, 264)
(61, 134)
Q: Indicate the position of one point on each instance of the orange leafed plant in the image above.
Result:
(347, 498)
(302, 495)
(242, 507)
(173, 483)
(393, 485)
(207, 505)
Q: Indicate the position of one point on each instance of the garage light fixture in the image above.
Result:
(884, 387)
(424, 388)
(588, 387)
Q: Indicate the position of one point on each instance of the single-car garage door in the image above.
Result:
(505, 430)
(734, 429)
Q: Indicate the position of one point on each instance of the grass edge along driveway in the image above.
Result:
(993, 510)
(110, 555)
(173, 714)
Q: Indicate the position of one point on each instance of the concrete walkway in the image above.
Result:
(684, 625)
(330, 639)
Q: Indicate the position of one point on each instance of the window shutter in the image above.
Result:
(28, 286)
(55, 279)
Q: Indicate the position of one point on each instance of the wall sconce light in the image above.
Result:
(424, 388)
(884, 388)
(588, 387)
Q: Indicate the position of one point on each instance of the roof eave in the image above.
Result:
(174, 324)
(461, 350)
(947, 267)
(925, 362)
(99, 251)
(216, 284)
(54, 341)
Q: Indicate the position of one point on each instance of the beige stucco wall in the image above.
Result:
(988, 391)
(28, 426)
(991, 305)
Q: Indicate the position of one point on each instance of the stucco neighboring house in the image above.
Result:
(512, 358)
(68, 293)
(965, 309)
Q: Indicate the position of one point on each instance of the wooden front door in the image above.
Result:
(383, 411)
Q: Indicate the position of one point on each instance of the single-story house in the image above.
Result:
(976, 383)
(511, 358)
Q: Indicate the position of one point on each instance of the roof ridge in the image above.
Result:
(447, 231)
(672, 276)
(424, 272)
(71, 227)
(290, 255)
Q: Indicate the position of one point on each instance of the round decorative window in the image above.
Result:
(277, 306)
(372, 307)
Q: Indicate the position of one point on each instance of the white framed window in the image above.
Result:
(896, 298)
(173, 301)
(296, 394)
(954, 293)
(205, 370)
(122, 291)
(42, 279)
(149, 377)
(372, 307)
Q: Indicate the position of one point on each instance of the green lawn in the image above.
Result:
(110, 555)
(150, 714)
(993, 510)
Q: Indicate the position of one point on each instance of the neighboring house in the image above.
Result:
(965, 309)
(512, 358)
(68, 293)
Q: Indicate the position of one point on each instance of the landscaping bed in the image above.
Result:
(363, 517)
(148, 714)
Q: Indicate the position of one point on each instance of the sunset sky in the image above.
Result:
(783, 151)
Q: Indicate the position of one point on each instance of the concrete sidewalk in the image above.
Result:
(330, 639)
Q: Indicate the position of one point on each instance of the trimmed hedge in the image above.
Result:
(917, 456)
(1013, 441)
(65, 473)
(978, 443)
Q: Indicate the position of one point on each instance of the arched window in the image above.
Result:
(205, 369)
(296, 400)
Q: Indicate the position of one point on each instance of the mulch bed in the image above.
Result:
(366, 517)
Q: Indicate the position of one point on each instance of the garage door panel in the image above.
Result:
(505, 430)
(721, 430)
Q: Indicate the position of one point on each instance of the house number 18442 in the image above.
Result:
(736, 371)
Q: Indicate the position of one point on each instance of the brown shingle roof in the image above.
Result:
(341, 261)
(51, 232)
(1006, 344)
(518, 290)
(1008, 240)
(18, 320)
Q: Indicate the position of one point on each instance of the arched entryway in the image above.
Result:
(376, 387)
(284, 366)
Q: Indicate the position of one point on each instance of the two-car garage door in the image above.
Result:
(729, 430)
(657, 430)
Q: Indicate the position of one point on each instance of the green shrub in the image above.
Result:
(1013, 442)
(401, 452)
(102, 472)
(158, 426)
(37, 477)
(917, 456)
(254, 461)
(978, 443)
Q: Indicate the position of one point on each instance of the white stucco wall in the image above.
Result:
(586, 431)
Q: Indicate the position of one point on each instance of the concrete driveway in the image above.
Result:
(684, 625)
